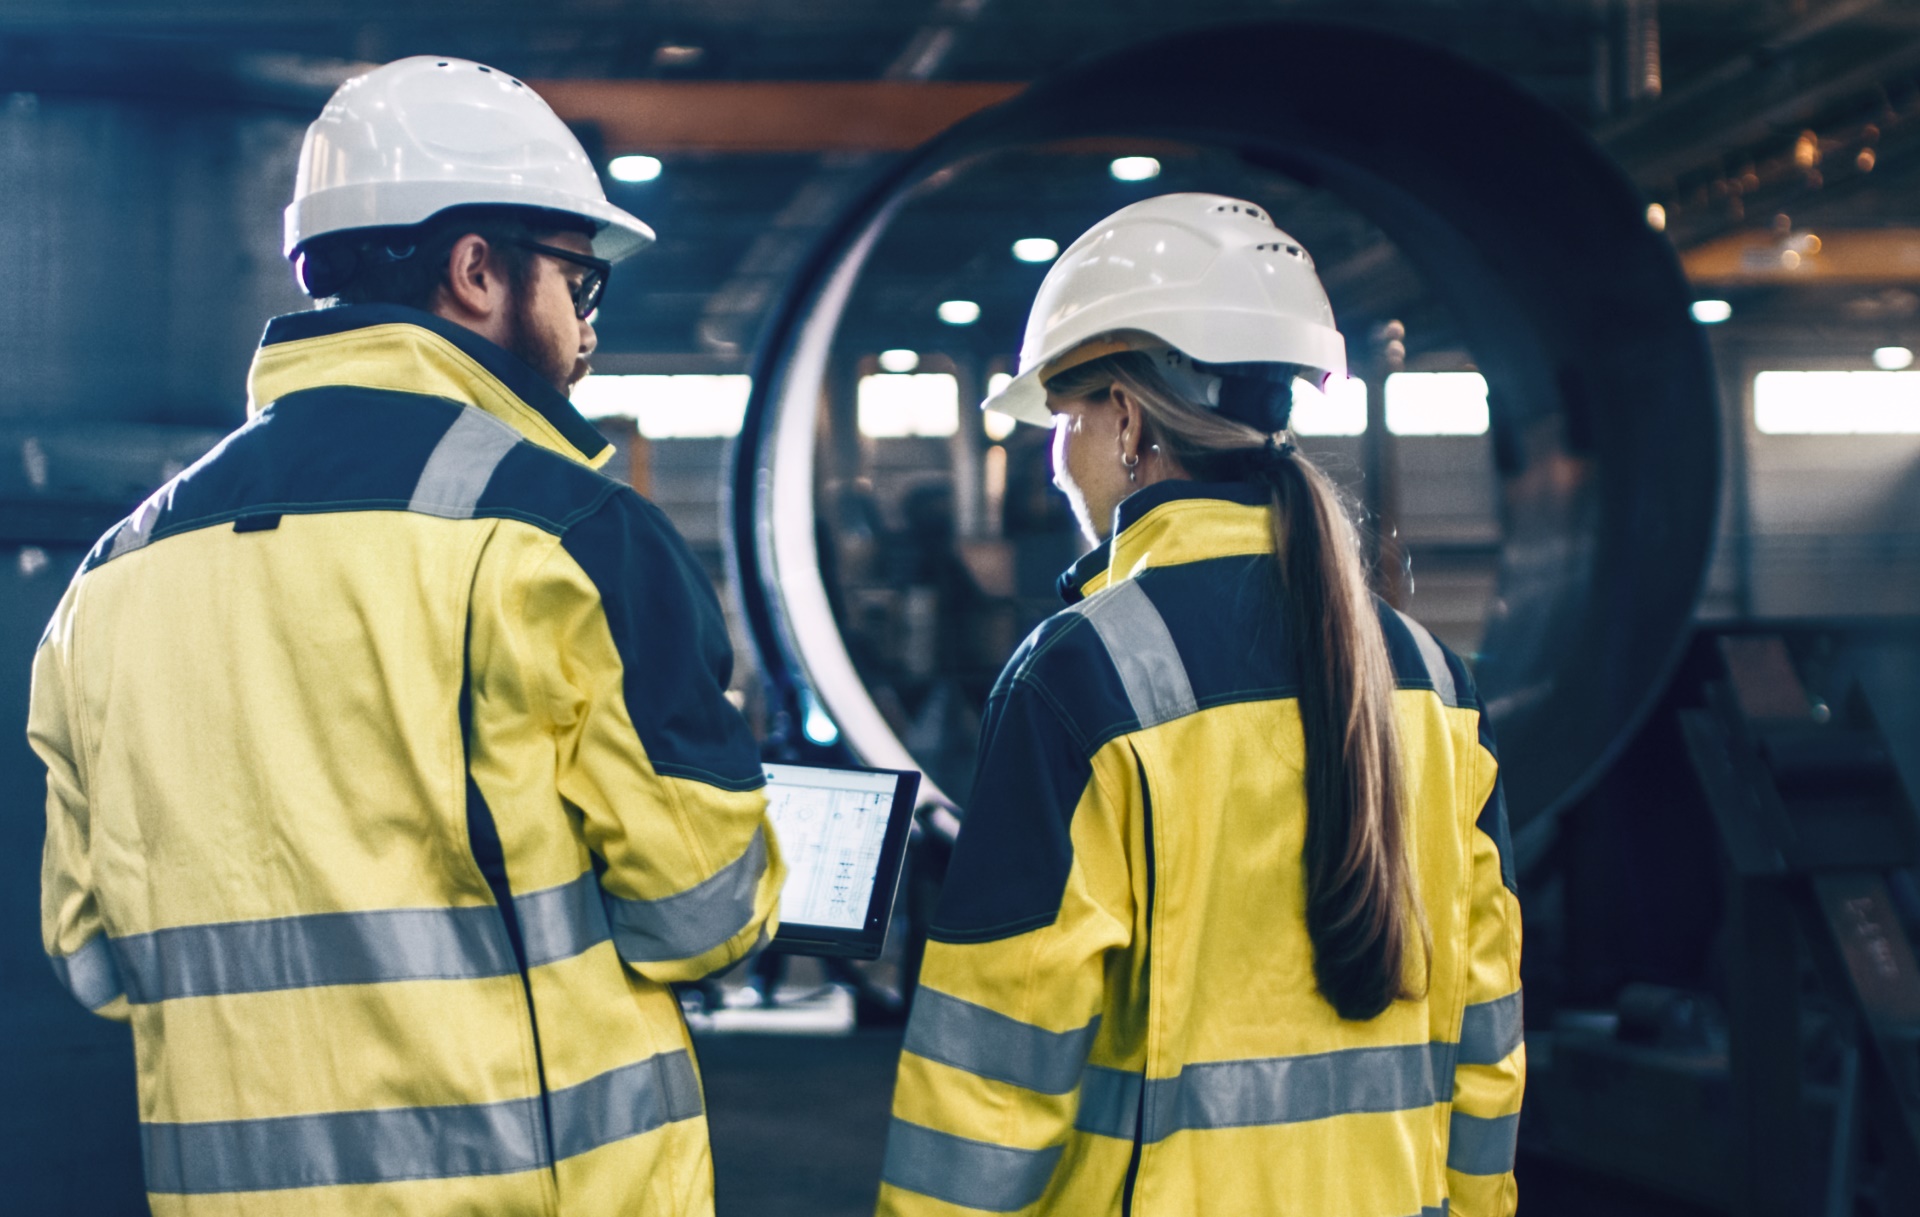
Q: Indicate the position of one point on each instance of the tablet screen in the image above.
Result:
(832, 823)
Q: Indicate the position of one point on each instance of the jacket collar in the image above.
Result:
(387, 346)
(1170, 523)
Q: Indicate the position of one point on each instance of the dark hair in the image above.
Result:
(408, 265)
(1363, 913)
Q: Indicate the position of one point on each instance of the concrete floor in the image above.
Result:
(799, 1123)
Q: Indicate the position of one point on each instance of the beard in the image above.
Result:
(556, 358)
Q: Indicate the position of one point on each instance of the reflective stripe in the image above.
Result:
(314, 950)
(1491, 1030)
(1436, 660)
(624, 1102)
(89, 973)
(1477, 1146)
(561, 922)
(1109, 1102)
(135, 531)
(1271, 1090)
(1294, 1089)
(695, 921)
(1142, 650)
(988, 1043)
(462, 464)
(972, 1174)
(344, 1147)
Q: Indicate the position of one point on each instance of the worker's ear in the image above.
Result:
(474, 291)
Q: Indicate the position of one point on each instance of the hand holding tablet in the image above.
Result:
(843, 833)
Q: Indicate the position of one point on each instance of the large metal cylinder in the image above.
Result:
(1604, 411)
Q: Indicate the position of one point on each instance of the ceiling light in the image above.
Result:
(1036, 249)
(677, 55)
(1134, 168)
(1711, 312)
(1893, 359)
(959, 312)
(634, 168)
(899, 360)
(1656, 217)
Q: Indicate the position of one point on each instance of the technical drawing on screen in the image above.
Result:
(843, 833)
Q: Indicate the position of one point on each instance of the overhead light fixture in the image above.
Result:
(1893, 359)
(959, 312)
(634, 168)
(899, 360)
(1711, 312)
(1036, 249)
(1134, 168)
(1656, 217)
(677, 55)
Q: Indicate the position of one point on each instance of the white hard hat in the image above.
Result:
(1207, 275)
(406, 141)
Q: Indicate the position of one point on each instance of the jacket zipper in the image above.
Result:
(1140, 1112)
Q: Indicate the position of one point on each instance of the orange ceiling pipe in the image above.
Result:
(655, 116)
(1854, 256)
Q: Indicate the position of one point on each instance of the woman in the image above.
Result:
(1230, 927)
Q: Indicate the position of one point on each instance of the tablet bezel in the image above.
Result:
(868, 941)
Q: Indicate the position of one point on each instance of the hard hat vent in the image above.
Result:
(1239, 209)
(1290, 250)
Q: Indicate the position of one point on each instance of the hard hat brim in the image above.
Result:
(401, 204)
(1225, 337)
(1024, 399)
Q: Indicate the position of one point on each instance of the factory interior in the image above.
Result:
(1630, 291)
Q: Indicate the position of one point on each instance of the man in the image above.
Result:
(391, 777)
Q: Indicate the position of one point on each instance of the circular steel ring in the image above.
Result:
(1604, 408)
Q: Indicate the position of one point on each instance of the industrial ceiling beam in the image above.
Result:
(656, 116)
(1868, 257)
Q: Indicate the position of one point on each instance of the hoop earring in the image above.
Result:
(1131, 464)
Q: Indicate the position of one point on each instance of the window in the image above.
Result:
(1837, 403)
(668, 407)
(1437, 403)
(1341, 410)
(894, 405)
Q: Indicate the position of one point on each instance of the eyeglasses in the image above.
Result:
(592, 285)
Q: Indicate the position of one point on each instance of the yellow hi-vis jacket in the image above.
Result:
(1118, 1011)
(390, 781)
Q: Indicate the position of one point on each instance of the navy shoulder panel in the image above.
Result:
(1170, 642)
(672, 640)
(1421, 661)
(352, 449)
(1164, 644)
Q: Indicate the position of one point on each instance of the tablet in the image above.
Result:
(843, 833)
